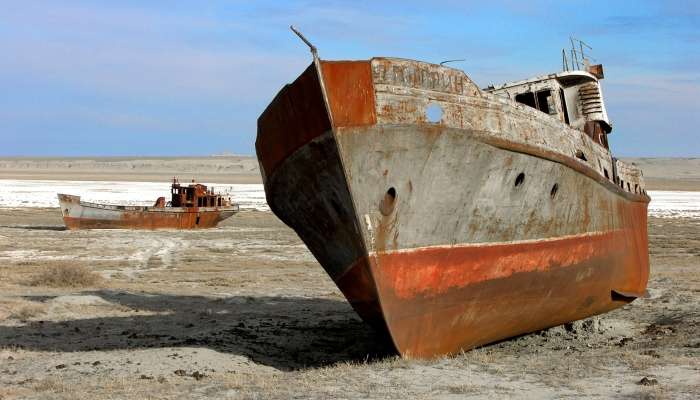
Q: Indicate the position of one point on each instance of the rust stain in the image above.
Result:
(296, 116)
(438, 301)
(350, 92)
(185, 220)
(491, 310)
(433, 271)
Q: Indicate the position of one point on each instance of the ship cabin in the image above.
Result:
(573, 97)
(195, 195)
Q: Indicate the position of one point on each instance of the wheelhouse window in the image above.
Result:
(527, 98)
(541, 100)
(562, 98)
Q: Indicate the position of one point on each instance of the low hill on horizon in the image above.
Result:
(220, 169)
(669, 173)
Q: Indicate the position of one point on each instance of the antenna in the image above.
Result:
(584, 59)
(319, 69)
(305, 40)
(449, 61)
(579, 53)
(574, 58)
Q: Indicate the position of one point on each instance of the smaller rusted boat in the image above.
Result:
(191, 207)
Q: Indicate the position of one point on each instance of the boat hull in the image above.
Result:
(454, 234)
(485, 293)
(82, 215)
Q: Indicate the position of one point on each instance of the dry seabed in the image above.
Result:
(23, 193)
(244, 311)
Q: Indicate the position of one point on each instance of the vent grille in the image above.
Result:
(590, 99)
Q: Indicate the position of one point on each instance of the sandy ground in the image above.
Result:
(659, 173)
(244, 311)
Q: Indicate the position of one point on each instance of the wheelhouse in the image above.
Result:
(573, 97)
(195, 195)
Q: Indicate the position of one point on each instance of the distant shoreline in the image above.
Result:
(221, 169)
(664, 173)
(130, 177)
(126, 158)
(681, 174)
(681, 185)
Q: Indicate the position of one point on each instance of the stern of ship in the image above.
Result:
(70, 208)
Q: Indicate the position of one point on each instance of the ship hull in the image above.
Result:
(488, 292)
(456, 234)
(83, 215)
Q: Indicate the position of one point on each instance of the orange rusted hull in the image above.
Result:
(83, 215)
(442, 299)
(451, 234)
(208, 219)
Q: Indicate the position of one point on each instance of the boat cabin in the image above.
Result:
(573, 97)
(195, 195)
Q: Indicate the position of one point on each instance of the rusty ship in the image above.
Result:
(452, 216)
(191, 206)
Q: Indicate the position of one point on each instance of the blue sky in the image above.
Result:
(84, 78)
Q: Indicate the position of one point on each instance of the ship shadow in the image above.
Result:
(36, 227)
(286, 333)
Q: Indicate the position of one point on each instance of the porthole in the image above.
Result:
(553, 192)
(386, 206)
(433, 113)
(519, 179)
